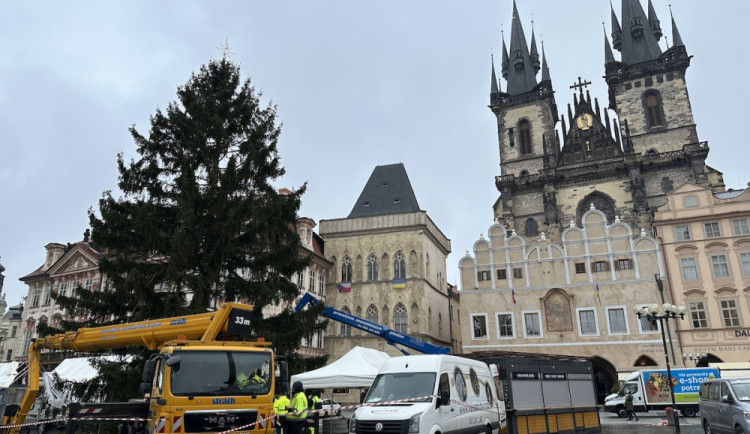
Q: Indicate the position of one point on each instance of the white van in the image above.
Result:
(429, 394)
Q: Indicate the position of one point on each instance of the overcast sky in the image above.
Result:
(357, 84)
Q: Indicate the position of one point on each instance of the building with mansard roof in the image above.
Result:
(573, 240)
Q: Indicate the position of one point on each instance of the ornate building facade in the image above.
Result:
(388, 267)
(706, 242)
(578, 192)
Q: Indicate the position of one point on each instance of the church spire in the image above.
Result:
(493, 86)
(676, 38)
(534, 52)
(504, 65)
(639, 42)
(608, 56)
(521, 73)
(654, 21)
(545, 68)
(616, 31)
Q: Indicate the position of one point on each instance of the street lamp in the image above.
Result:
(697, 357)
(663, 313)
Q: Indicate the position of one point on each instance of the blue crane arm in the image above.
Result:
(391, 336)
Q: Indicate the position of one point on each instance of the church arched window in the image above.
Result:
(531, 227)
(372, 267)
(524, 137)
(346, 269)
(399, 265)
(346, 329)
(399, 318)
(372, 314)
(654, 110)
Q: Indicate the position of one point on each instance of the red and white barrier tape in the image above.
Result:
(68, 419)
(250, 425)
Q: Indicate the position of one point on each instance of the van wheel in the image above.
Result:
(688, 411)
(621, 412)
(706, 428)
(739, 430)
(488, 429)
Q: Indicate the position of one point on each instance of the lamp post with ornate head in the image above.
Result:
(663, 313)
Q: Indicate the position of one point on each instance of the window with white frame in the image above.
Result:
(312, 280)
(301, 279)
(63, 290)
(720, 266)
(587, 322)
(698, 317)
(47, 296)
(505, 325)
(532, 325)
(682, 233)
(729, 312)
(646, 325)
(745, 261)
(321, 283)
(740, 227)
(88, 283)
(616, 321)
(479, 326)
(483, 275)
(35, 299)
(712, 229)
(689, 268)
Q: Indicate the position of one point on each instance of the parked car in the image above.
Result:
(330, 408)
(724, 405)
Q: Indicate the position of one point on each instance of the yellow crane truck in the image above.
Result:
(200, 381)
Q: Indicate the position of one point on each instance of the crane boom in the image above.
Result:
(392, 337)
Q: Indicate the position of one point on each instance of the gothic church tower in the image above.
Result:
(625, 165)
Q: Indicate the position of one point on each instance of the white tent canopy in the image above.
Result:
(357, 368)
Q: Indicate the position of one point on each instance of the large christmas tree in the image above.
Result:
(198, 221)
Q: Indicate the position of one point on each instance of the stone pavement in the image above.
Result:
(653, 422)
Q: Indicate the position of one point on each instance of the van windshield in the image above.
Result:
(409, 385)
(741, 391)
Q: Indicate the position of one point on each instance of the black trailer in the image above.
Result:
(545, 393)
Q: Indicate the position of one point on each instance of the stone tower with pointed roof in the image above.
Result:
(389, 266)
(573, 246)
(624, 158)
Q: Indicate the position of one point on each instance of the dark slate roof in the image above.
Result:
(641, 49)
(388, 191)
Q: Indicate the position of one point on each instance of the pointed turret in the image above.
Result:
(545, 68)
(504, 65)
(609, 57)
(676, 38)
(616, 31)
(654, 21)
(494, 88)
(534, 53)
(639, 43)
(521, 74)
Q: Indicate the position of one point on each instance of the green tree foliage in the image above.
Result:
(199, 221)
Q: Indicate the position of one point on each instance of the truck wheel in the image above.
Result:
(621, 412)
(688, 411)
